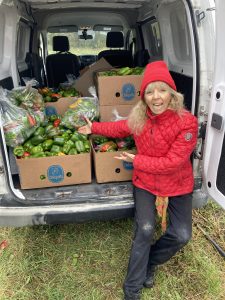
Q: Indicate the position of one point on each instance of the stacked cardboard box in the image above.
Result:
(117, 92)
(120, 94)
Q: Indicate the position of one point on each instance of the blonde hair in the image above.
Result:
(138, 115)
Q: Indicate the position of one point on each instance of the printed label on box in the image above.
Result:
(128, 91)
(55, 174)
(50, 110)
(128, 165)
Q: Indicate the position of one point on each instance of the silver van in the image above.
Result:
(187, 34)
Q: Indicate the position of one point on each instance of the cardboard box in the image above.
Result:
(118, 90)
(59, 107)
(86, 79)
(107, 115)
(54, 171)
(109, 169)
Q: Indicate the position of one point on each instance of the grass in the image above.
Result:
(88, 262)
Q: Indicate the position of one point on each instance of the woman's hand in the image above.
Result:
(86, 129)
(129, 157)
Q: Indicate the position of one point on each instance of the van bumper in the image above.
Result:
(65, 214)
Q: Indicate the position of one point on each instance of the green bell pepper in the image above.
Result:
(53, 131)
(39, 131)
(36, 149)
(58, 140)
(36, 140)
(47, 153)
(47, 144)
(87, 146)
(18, 151)
(72, 151)
(67, 146)
(66, 136)
(56, 149)
(79, 146)
(76, 136)
(28, 145)
(52, 118)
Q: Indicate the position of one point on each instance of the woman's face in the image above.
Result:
(157, 97)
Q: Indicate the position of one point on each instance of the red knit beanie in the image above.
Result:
(156, 71)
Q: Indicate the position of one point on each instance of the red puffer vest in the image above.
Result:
(162, 164)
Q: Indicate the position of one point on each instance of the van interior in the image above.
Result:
(54, 38)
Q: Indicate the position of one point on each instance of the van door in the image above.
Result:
(214, 152)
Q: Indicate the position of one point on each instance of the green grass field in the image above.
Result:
(88, 262)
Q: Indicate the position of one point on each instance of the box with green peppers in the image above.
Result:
(52, 139)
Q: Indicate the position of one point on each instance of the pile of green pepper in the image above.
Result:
(53, 139)
(122, 71)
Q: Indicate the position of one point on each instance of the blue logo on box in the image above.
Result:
(128, 165)
(128, 91)
(55, 173)
(50, 110)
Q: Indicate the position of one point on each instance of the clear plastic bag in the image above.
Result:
(27, 97)
(71, 79)
(18, 123)
(116, 116)
(83, 107)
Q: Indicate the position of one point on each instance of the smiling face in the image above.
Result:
(157, 97)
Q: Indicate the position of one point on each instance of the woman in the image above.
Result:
(165, 135)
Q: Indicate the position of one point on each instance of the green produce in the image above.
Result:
(87, 146)
(39, 131)
(36, 149)
(72, 151)
(76, 136)
(37, 139)
(124, 71)
(52, 118)
(28, 146)
(67, 146)
(100, 139)
(58, 140)
(47, 144)
(56, 149)
(52, 131)
(27, 98)
(80, 146)
(83, 107)
(18, 151)
(66, 136)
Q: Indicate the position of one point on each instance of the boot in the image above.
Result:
(149, 281)
(132, 296)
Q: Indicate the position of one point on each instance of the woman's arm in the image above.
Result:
(117, 129)
(178, 154)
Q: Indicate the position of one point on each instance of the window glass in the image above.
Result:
(41, 46)
(181, 37)
(2, 27)
(80, 46)
(22, 41)
(152, 36)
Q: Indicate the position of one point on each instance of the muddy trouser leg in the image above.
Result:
(145, 213)
(178, 232)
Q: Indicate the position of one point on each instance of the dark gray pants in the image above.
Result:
(178, 233)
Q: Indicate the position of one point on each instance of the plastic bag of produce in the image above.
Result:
(18, 123)
(83, 107)
(27, 97)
